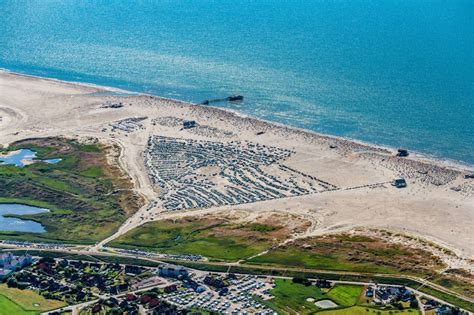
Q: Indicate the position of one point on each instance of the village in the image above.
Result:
(112, 288)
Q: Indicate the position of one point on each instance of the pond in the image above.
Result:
(325, 304)
(23, 157)
(16, 224)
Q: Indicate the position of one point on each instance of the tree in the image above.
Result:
(12, 283)
(414, 303)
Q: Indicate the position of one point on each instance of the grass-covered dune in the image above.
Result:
(87, 193)
(215, 237)
(343, 252)
(219, 238)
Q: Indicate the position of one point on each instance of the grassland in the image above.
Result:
(14, 301)
(351, 253)
(217, 239)
(221, 239)
(457, 280)
(87, 196)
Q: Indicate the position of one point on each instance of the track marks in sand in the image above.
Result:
(10, 116)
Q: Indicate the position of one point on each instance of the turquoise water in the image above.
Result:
(23, 157)
(397, 73)
(19, 225)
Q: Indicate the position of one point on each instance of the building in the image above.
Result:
(214, 282)
(10, 263)
(170, 288)
(171, 271)
(323, 284)
(4, 273)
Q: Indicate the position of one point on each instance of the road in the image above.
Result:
(81, 250)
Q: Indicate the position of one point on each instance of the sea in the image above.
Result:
(397, 73)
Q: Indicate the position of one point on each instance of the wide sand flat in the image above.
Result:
(438, 203)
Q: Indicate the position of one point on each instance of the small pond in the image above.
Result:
(19, 225)
(325, 304)
(23, 157)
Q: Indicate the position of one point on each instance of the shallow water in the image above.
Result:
(23, 157)
(19, 159)
(390, 72)
(19, 225)
(325, 304)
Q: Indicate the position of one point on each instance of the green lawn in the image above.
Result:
(88, 197)
(29, 300)
(291, 297)
(345, 295)
(8, 307)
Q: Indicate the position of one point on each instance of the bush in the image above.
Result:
(301, 280)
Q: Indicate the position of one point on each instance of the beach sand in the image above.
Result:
(437, 205)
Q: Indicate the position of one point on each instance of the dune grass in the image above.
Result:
(212, 238)
(351, 253)
(88, 198)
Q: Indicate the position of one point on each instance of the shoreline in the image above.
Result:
(436, 205)
(415, 155)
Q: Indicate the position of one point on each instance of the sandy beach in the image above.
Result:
(437, 205)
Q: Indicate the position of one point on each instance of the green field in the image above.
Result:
(88, 197)
(345, 295)
(7, 307)
(291, 297)
(212, 238)
(16, 302)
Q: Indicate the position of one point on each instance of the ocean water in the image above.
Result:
(390, 72)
